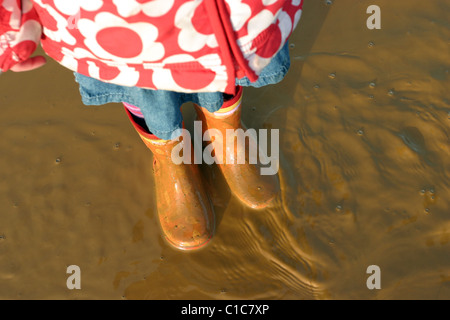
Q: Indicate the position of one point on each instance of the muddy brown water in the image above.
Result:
(364, 119)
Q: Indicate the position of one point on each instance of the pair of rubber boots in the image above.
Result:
(185, 211)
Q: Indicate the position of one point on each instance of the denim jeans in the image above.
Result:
(161, 109)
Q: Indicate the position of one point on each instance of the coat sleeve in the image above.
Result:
(20, 32)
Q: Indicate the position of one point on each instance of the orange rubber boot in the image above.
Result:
(185, 213)
(245, 180)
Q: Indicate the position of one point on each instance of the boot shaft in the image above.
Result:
(227, 117)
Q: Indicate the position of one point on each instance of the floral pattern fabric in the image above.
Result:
(177, 45)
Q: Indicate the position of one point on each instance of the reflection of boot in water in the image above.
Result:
(185, 213)
(245, 180)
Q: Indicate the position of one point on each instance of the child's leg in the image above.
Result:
(185, 213)
(245, 180)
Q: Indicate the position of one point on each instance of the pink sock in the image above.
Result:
(136, 111)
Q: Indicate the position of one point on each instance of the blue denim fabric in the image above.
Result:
(161, 109)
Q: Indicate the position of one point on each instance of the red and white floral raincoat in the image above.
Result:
(177, 45)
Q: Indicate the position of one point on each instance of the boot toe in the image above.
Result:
(188, 238)
(254, 190)
(260, 198)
